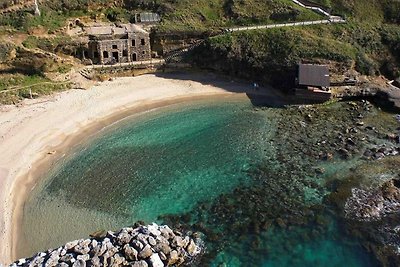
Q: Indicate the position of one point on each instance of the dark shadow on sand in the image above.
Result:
(265, 96)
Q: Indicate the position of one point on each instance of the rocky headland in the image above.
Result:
(153, 245)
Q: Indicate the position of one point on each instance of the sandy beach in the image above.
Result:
(36, 130)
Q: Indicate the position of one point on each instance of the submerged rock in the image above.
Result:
(373, 204)
(122, 249)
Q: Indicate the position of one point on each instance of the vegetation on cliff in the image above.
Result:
(369, 41)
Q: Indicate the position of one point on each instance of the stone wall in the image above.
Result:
(153, 246)
(129, 48)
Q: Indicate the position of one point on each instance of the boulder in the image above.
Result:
(79, 263)
(139, 264)
(130, 253)
(118, 260)
(155, 261)
(173, 257)
(85, 257)
(123, 238)
(95, 261)
(166, 231)
(71, 245)
(146, 252)
(178, 241)
(152, 241)
(67, 258)
(192, 248)
(137, 244)
(154, 229)
(162, 247)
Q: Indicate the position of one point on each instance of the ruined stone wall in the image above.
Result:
(153, 246)
(131, 48)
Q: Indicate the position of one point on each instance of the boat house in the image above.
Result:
(113, 44)
(312, 83)
(310, 75)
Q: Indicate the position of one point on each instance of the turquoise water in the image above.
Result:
(190, 164)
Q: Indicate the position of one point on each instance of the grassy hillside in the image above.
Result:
(370, 41)
(183, 15)
(206, 14)
(271, 55)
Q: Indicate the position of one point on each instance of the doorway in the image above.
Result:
(134, 57)
(115, 56)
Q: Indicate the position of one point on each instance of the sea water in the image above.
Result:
(168, 161)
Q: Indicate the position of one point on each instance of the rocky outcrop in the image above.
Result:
(382, 93)
(144, 246)
(373, 204)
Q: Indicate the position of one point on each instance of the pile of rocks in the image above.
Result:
(153, 246)
(378, 153)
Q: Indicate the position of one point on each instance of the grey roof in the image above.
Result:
(112, 29)
(314, 75)
(149, 17)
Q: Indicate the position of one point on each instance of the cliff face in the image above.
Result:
(153, 245)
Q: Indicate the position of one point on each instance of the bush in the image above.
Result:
(6, 50)
(365, 65)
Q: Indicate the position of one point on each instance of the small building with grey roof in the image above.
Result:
(312, 83)
(147, 18)
(313, 75)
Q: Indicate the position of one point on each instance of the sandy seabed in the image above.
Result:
(37, 131)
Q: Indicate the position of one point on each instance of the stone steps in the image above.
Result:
(183, 51)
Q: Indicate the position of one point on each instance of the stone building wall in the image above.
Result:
(120, 49)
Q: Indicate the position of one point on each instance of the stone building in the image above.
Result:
(118, 44)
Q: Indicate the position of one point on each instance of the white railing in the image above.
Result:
(293, 24)
(316, 9)
(332, 19)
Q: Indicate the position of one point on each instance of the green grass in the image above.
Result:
(17, 80)
(36, 84)
(209, 15)
(47, 44)
(266, 55)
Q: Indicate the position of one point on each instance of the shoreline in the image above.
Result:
(30, 132)
(68, 145)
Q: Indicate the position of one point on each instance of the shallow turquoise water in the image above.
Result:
(170, 161)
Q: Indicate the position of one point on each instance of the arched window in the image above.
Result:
(105, 54)
(134, 57)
